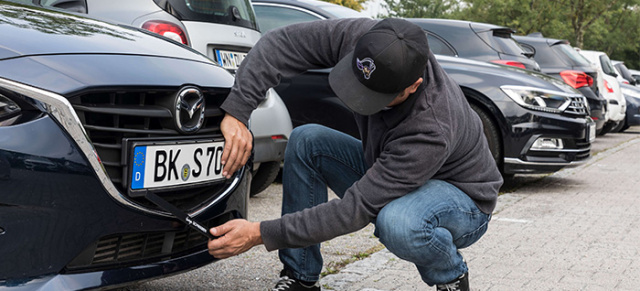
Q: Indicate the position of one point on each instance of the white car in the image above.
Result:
(609, 87)
(224, 31)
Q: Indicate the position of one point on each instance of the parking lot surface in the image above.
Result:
(577, 229)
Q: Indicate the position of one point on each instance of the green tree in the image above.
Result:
(421, 8)
(353, 4)
(611, 26)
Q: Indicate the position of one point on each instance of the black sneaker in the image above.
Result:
(460, 284)
(288, 283)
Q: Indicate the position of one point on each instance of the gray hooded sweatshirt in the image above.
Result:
(434, 134)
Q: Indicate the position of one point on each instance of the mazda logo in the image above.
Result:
(189, 110)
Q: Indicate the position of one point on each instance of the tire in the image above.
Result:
(266, 174)
(492, 134)
(625, 127)
(608, 127)
(620, 127)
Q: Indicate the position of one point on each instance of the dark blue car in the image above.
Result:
(95, 119)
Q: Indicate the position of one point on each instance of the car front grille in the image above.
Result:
(110, 116)
(578, 106)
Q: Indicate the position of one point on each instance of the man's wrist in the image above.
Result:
(257, 236)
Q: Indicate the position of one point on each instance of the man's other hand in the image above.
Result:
(235, 237)
(237, 146)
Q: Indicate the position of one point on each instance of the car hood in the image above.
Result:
(23, 30)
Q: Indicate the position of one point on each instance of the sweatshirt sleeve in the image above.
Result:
(288, 51)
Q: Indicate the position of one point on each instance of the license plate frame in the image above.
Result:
(229, 59)
(187, 150)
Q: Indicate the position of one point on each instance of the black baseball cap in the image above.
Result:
(388, 58)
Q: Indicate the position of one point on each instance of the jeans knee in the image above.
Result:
(400, 233)
(301, 139)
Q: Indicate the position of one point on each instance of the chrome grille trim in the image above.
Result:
(578, 106)
(62, 111)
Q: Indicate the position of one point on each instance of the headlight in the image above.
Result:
(541, 99)
(9, 111)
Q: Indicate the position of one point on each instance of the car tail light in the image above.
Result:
(576, 79)
(278, 137)
(510, 63)
(608, 87)
(166, 29)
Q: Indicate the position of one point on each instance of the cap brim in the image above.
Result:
(354, 94)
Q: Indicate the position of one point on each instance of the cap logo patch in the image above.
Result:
(366, 66)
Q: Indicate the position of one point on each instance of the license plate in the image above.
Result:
(591, 132)
(229, 59)
(171, 165)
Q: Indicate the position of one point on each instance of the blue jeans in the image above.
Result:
(425, 227)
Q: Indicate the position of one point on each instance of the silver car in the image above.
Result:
(224, 31)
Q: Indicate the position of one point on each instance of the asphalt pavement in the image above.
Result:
(576, 229)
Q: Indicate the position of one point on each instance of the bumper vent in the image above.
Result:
(139, 248)
(110, 116)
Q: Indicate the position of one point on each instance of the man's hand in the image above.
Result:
(237, 146)
(235, 237)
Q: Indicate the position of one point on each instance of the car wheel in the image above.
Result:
(620, 127)
(492, 133)
(608, 127)
(625, 127)
(266, 174)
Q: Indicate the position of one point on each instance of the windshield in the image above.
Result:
(229, 12)
(607, 67)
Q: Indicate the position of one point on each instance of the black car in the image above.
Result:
(534, 123)
(474, 40)
(96, 122)
(558, 59)
(525, 135)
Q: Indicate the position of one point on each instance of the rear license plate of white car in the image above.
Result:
(175, 164)
(229, 59)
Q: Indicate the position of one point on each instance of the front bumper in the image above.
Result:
(113, 278)
(521, 157)
(65, 224)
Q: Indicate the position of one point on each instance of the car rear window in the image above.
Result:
(228, 12)
(573, 56)
(501, 41)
